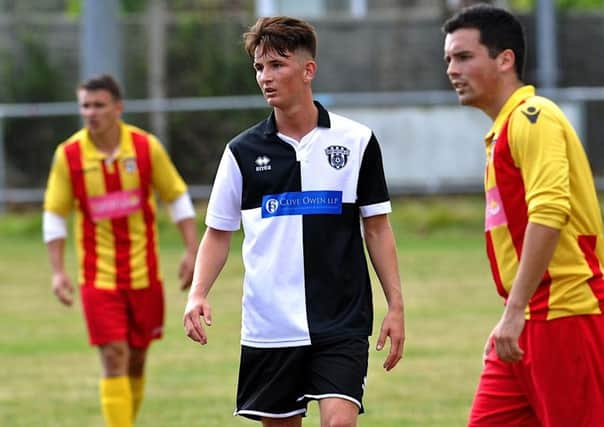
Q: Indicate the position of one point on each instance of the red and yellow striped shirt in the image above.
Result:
(537, 171)
(114, 203)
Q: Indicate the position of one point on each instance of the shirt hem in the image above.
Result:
(276, 344)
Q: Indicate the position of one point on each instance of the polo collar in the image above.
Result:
(322, 120)
(520, 95)
(124, 149)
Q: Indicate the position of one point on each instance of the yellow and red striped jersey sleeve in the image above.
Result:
(540, 136)
(537, 171)
(59, 197)
(165, 178)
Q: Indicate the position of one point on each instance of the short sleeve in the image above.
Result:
(166, 179)
(539, 147)
(58, 197)
(372, 191)
(224, 206)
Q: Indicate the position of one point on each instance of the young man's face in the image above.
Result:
(99, 110)
(282, 79)
(473, 73)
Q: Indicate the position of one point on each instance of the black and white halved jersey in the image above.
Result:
(306, 277)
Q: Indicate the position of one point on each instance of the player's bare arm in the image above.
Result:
(538, 248)
(382, 251)
(211, 257)
(61, 283)
(188, 231)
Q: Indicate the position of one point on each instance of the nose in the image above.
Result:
(452, 68)
(264, 76)
(88, 112)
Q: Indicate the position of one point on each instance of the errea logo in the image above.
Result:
(262, 163)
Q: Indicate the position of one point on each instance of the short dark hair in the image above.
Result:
(102, 82)
(281, 34)
(499, 30)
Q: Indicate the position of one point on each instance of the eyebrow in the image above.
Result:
(457, 53)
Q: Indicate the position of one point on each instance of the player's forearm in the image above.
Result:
(387, 271)
(381, 246)
(538, 248)
(188, 232)
(56, 249)
(211, 258)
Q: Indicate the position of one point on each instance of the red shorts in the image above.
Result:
(132, 315)
(558, 383)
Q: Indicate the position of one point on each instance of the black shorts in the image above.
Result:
(279, 382)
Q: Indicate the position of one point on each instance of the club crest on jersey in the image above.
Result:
(262, 163)
(337, 156)
(130, 164)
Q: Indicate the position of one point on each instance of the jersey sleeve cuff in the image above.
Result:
(54, 227)
(223, 224)
(376, 209)
(181, 208)
(549, 221)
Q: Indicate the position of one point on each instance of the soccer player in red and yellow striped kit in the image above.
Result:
(544, 364)
(107, 173)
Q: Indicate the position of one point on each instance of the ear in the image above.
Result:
(310, 69)
(119, 105)
(506, 60)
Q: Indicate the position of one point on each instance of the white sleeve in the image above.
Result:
(53, 227)
(224, 206)
(181, 208)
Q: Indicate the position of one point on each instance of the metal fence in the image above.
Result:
(341, 100)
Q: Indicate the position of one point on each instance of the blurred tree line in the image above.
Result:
(204, 57)
(567, 5)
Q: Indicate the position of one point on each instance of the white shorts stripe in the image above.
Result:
(329, 395)
(270, 415)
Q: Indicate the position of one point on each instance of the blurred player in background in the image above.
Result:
(544, 364)
(300, 181)
(107, 173)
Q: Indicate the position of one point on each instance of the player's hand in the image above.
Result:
(196, 308)
(185, 270)
(393, 326)
(506, 334)
(62, 288)
(487, 346)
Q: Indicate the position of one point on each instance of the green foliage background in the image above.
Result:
(205, 57)
(566, 5)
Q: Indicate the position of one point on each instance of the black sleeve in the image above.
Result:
(372, 188)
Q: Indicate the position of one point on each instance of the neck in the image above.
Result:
(494, 108)
(106, 141)
(298, 120)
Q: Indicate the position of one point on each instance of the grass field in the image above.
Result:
(49, 374)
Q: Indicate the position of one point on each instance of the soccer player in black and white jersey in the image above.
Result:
(309, 187)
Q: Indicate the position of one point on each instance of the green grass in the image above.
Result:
(49, 374)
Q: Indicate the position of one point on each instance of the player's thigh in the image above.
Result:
(282, 422)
